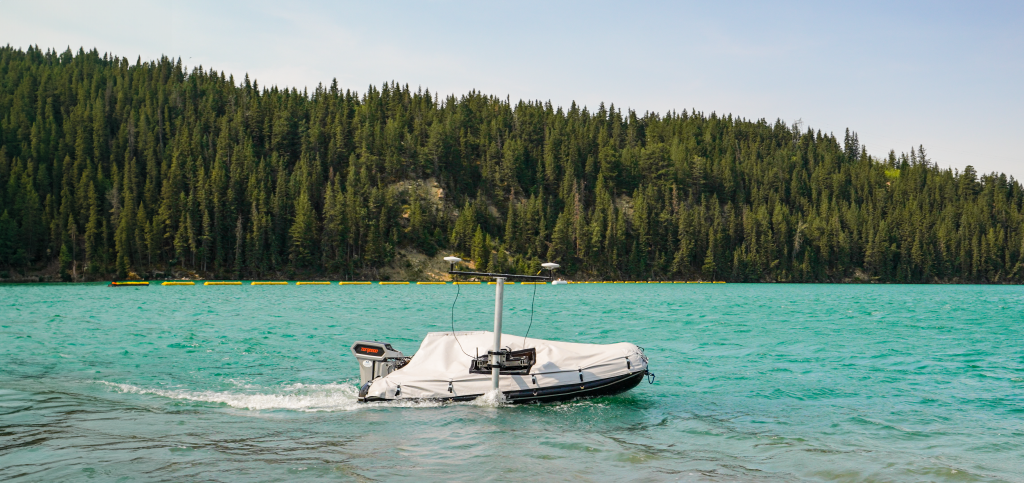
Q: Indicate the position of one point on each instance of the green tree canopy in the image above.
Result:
(109, 166)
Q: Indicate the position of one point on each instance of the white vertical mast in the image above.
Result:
(496, 358)
(499, 294)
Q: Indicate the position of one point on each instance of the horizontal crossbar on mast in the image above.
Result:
(498, 275)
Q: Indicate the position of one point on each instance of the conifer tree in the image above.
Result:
(303, 239)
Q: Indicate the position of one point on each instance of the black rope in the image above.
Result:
(531, 314)
(458, 290)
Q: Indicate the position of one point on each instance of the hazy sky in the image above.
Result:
(943, 74)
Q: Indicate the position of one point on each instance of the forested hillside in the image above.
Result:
(109, 167)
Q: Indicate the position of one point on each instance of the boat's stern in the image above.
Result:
(376, 359)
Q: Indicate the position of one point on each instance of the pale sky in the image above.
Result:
(943, 74)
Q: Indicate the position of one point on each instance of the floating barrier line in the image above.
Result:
(180, 283)
(129, 284)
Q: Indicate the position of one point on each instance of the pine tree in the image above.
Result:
(709, 269)
(303, 233)
(480, 251)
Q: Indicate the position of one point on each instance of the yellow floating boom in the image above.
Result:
(354, 283)
(312, 283)
(431, 283)
(506, 283)
(466, 283)
(222, 283)
(269, 283)
(532, 283)
(393, 283)
(178, 283)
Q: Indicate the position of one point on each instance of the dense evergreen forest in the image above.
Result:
(109, 167)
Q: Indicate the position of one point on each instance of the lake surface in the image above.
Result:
(754, 383)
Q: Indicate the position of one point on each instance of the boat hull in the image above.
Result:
(596, 388)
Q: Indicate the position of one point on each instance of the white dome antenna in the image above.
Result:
(452, 261)
(550, 266)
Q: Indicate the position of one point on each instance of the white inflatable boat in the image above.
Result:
(534, 370)
(449, 365)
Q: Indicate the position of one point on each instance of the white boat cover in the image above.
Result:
(441, 361)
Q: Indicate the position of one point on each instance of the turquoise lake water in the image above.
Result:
(754, 383)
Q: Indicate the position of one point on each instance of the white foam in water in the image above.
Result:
(298, 397)
(295, 397)
(492, 398)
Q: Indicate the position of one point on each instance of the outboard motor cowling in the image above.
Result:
(377, 359)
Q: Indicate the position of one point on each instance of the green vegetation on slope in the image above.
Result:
(108, 167)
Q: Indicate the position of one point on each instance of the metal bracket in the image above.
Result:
(508, 362)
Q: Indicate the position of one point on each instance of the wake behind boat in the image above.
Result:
(523, 370)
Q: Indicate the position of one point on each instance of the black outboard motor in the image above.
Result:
(376, 359)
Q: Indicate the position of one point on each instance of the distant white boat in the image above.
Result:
(559, 282)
